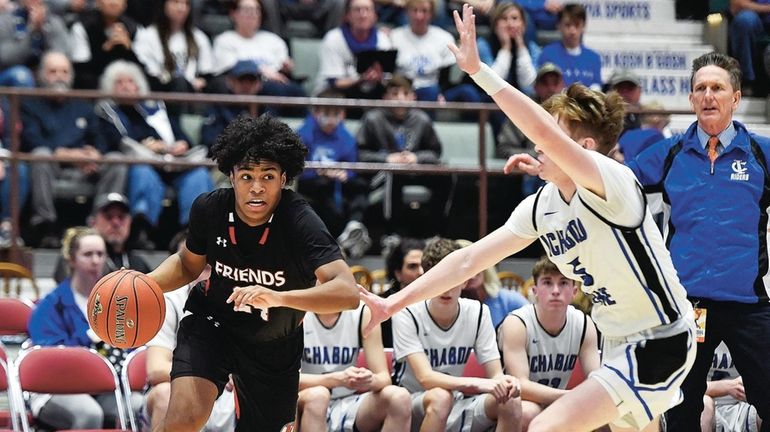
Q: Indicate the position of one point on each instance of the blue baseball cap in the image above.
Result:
(244, 68)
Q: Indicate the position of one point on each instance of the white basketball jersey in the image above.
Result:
(414, 330)
(722, 367)
(332, 349)
(552, 357)
(613, 247)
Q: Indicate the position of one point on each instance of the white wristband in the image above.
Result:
(489, 80)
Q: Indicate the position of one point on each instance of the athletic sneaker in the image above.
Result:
(355, 239)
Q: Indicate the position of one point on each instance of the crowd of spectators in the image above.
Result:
(117, 46)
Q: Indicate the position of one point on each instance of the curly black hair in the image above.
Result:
(247, 141)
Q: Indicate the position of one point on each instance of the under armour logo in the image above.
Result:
(221, 242)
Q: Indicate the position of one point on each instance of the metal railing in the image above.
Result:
(15, 95)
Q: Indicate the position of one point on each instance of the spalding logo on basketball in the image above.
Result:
(126, 308)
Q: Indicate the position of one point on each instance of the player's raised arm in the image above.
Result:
(539, 126)
(454, 269)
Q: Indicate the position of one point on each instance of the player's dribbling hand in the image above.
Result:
(254, 295)
(467, 55)
(524, 162)
(378, 307)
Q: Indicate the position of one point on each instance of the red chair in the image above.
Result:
(577, 376)
(133, 378)
(473, 368)
(361, 360)
(67, 370)
(7, 417)
(15, 312)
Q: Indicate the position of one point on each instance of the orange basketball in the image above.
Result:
(126, 308)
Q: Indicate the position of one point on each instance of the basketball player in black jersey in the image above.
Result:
(266, 248)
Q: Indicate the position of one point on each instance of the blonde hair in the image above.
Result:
(70, 244)
(491, 282)
(589, 114)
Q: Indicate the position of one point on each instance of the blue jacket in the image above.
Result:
(57, 320)
(68, 124)
(339, 146)
(718, 227)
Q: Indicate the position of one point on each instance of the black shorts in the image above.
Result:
(266, 374)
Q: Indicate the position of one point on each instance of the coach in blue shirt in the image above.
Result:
(715, 178)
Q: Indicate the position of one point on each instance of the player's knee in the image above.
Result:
(510, 410)
(158, 397)
(398, 399)
(438, 402)
(315, 401)
(529, 411)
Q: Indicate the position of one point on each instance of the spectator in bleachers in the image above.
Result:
(750, 25)
(176, 55)
(70, 10)
(543, 15)
(243, 79)
(548, 82)
(60, 319)
(337, 67)
(549, 329)
(335, 393)
(403, 136)
(249, 42)
(145, 129)
(324, 14)
(486, 288)
(111, 218)
(629, 86)
(26, 32)
(5, 189)
(506, 52)
(577, 62)
(159, 362)
(65, 128)
(426, 334)
(212, 15)
(424, 57)
(340, 197)
(101, 36)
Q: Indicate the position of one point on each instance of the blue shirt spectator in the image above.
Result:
(578, 62)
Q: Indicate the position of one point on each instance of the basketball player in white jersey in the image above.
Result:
(725, 407)
(593, 221)
(541, 343)
(337, 395)
(433, 341)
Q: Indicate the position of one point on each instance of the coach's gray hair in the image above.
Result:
(123, 67)
(720, 60)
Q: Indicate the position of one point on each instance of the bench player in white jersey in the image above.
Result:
(433, 341)
(337, 395)
(592, 220)
(542, 342)
(725, 407)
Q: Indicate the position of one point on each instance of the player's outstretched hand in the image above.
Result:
(254, 295)
(524, 162)
(378, 307)
(467, 55)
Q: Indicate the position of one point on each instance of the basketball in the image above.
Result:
(126, 308)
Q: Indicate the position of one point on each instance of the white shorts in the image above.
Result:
(643, 374)
(341, 415)
(467, 413)
(736, 417)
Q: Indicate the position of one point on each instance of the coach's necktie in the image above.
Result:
(711, 147)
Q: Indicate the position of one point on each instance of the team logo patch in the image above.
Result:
(739, 171)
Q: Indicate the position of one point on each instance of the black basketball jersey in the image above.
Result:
(281, 255)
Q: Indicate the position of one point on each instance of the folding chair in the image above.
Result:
(7, 417)
(14, 276)
(67, 370)
(361, 360)
(15, 312)
(133, 378)
(473, 368)
(510, 280)
(362, 276)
